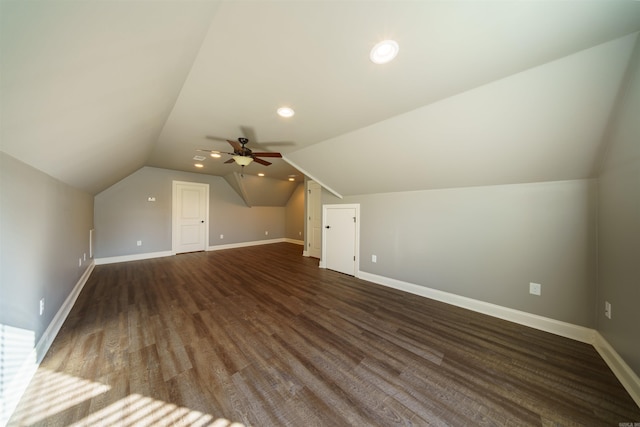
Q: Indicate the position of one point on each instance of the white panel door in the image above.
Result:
(340, 238)
(314, 224)
(190, 212)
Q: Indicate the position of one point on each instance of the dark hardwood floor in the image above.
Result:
(261, 336)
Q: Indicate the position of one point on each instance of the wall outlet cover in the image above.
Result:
(535, 288)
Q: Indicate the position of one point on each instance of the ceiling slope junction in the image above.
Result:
(480, 93)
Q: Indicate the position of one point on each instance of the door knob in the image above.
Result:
(327, 226)
(202, 221)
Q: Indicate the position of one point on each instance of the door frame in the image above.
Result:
(174, 213)
(308, 223)
(355, 206)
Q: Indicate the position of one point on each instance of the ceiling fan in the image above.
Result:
(243, 155)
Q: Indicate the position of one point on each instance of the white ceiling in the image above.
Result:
(481, 92)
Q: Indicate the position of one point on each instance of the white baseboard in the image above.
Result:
(150, 255)
(294, 241)
(134, 257)
(20, 381)
(568, 330)
(622, 371)
(245, 244)
(628, 378)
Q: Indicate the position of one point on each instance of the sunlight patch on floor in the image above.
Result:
(141, 411)
(52, 392)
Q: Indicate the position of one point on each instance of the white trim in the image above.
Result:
(568, 330)
(294, 241)
(133, 257)
(245, 244)
(629, 379)
(308, 175)
(30, 365)
(150, 255)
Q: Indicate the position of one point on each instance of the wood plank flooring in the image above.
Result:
(261, 336)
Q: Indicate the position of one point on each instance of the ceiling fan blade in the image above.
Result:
(248, 133)
(277, 143)
(267, 154)
(262, 162)
(215, 138)
(235, 144)
(230, 161)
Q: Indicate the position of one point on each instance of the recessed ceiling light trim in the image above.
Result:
(198, 165)
(384, 52)
(286, 112)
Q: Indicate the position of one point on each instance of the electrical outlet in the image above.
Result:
(41, 306)
(139, 243)
(535, 288)
(221, 236)
(607, 309)
(79, 262)
(374, 258)
(84, 256)
(266, 233)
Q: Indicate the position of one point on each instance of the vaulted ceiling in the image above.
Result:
(480, 93)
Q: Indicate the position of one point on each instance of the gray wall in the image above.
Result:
(123, 215)
(488, 243)
(295, 214)
(44, 231)
(619, 227)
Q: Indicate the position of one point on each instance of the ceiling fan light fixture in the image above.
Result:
(198, 165)
(286, 112)
(242, 160)
(384, 52)
(216, 155)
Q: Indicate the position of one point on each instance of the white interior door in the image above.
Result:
(190, 216)
(314, 220)
(340, 243)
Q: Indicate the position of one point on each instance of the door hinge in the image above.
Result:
(354, 219)
(354, 257)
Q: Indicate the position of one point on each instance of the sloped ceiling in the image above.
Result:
(480, 93)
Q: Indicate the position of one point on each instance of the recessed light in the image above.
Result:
(199, 158)
(384, 52)
(285, 112)
(216, 155)
(292, 179)
(198, 165)
(260, 174)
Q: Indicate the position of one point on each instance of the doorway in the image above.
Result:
(190, 217)
(340, 238)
